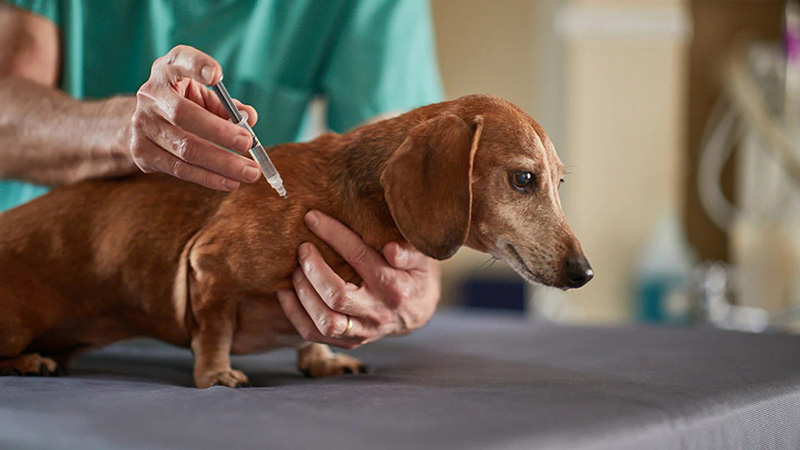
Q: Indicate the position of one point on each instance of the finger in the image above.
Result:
(199, 152)
(302, 322)
(252, 114)
(367, 262)
(199, 121)
(334, 291)
(149, 157)
(184, 61)
(329, 323)
(213, 104)
(405, 257)
(298, 316)
(246, 110)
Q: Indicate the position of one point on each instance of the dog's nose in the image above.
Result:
(578, 271)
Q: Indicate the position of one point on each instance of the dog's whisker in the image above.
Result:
(486, 264)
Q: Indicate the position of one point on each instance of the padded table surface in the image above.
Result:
(466, 381)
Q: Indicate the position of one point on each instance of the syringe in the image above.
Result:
(257, 151)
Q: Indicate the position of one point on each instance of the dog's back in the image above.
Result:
(86, 241)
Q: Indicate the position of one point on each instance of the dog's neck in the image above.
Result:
(356, 176)
(360, 162)
(342, 174)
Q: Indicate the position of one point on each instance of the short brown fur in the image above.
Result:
(148, 255)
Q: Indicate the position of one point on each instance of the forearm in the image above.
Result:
(49, 138)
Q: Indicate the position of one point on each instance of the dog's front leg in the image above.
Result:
(214, 322)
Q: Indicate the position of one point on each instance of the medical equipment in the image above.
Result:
(758, 117)
(257, 151)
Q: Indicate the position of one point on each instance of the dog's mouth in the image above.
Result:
(518, 264)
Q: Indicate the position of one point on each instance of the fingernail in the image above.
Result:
(251, 173)
(208, 74)
(297, 275)
(230, 184)
(312, 219)
(241, 143)
(302, 251)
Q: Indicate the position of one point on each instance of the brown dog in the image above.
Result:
(148, 255)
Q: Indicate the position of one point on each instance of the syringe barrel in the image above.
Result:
(261, 157)
(257, 150)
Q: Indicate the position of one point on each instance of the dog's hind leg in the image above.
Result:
(317, 360)
(212, 337)
(213, 308)
(29, 364)
(26, 311)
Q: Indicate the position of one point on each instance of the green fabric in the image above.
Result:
(367, 57)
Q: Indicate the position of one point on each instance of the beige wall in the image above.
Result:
(611, 97)
(486, 47)
(624, 133)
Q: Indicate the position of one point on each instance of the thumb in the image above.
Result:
(404, 256)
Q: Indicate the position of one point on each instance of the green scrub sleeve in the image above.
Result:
(50, 9)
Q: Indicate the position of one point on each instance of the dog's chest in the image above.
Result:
(261, 326)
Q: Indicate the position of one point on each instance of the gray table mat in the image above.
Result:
(466, 381)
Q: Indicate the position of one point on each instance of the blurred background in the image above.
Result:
(677, 121)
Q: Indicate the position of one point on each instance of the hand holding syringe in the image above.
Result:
(257, 151)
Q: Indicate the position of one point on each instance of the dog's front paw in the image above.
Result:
(335, 364)
(231, 378)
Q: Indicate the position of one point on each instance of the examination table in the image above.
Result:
(465, 381)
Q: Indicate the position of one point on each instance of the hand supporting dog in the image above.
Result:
(399, 293)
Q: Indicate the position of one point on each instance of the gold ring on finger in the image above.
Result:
(348, 327)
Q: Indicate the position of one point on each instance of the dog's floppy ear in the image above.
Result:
(428, 184)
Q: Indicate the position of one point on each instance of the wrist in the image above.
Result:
(118, 111)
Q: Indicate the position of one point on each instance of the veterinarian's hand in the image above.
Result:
(399, 293)
(179, 125)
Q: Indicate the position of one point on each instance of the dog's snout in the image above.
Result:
(577, 270)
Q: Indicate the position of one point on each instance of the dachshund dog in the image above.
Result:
(150, 255)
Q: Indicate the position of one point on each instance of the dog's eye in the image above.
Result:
(522, 181)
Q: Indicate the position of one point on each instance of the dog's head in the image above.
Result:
(483, 173)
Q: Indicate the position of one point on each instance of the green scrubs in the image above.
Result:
(366, 57)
